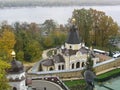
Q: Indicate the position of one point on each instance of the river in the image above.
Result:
(59, 14)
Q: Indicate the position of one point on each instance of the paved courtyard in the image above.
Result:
(45, 85)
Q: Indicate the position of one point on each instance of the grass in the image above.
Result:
(109, 73)
(81, 82)
(72, 83)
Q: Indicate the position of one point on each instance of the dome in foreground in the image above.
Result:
(16, 67)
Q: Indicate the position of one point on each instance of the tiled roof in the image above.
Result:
(69, 52)
(48, 62)
(83, 50)
(58, 58)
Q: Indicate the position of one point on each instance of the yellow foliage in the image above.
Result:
(7, 42)
(3, 81)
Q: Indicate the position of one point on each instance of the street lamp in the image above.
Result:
(13, 54)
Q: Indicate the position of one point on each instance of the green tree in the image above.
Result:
(49, 25)
(3, 80)
(58, 37)
(28, 41)
(48, 42)
(20, 55)
(33, 51)
(95, 26)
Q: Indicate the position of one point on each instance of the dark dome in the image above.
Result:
(73, 37)
(16, 67)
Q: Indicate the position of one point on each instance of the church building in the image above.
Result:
(72, 55)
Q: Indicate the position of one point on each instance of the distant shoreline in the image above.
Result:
(56, 3)
(54, 6)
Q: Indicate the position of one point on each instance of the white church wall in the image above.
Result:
(20, 85)
(14, 76)
(59, 64)
(73, 46)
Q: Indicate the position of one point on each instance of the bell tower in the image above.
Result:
(16, 75)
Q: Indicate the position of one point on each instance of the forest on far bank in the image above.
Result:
(47, 3)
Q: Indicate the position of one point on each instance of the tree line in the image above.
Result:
(29, 40)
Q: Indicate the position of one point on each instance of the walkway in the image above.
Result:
(52, 81)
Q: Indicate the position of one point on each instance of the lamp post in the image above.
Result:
(13, 54)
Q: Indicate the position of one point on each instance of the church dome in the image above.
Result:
(73, 37)
(16, 67)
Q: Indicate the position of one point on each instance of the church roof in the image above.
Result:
(83, 50)
(69, 52)
(58, 58)
(16, 67)
(73, 37)
(47, 62)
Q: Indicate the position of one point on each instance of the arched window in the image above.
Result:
(72, 65)
(51, 69)
(14, 88)
(62, 67)
(82, 64)
(78, 65)
(59, 67)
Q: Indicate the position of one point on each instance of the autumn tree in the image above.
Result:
(3, 80)
(95, 26)
(7, 42)
(28, 40)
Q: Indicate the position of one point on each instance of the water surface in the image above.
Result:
(59, 14)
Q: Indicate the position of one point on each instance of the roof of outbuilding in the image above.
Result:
(73, 37)
(102, 57)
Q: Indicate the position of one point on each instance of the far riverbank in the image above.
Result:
(53, 3)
